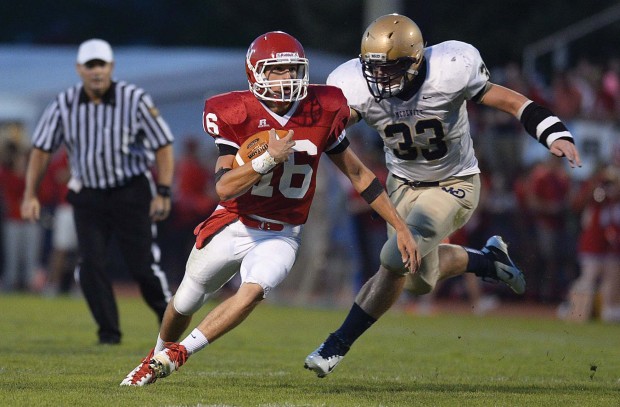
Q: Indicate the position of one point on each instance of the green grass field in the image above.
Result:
(49, 357)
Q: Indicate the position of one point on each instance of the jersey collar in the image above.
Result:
(109, 97)
(283, 120)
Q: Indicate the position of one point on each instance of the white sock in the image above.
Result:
(195, 341)
(159, 346)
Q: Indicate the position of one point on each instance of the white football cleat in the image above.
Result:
(327, 356)
(505, 269)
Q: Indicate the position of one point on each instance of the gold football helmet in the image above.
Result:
(391, 53)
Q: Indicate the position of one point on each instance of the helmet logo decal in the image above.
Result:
(287, 55)
(277, 52)
(375, 56)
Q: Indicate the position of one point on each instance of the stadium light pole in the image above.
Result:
(377, 8)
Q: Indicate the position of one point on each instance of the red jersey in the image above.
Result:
(53, 190)
(285, 194)
(192, 197)
(12, 185)
(550, 188)
(600, 216)
(592, 237)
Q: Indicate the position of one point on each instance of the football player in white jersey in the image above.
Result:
(415, 98)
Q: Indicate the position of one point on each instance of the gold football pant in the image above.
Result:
(433, 214)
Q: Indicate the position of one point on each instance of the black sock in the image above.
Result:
(356, 323)
(479, 263)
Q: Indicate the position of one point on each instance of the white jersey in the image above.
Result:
(426, 138)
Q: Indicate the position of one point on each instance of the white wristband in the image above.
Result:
(264, 163)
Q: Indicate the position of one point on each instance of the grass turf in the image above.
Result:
(49, 357)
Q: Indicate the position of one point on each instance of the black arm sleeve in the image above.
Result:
(225, 149)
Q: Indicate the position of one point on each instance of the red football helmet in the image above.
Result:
(276, 48)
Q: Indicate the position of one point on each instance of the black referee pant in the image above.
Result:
(122, 212)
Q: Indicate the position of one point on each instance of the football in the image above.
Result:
(254, 146)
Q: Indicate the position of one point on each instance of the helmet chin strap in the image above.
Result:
(412, 72)
(392, 89)
(404, 80)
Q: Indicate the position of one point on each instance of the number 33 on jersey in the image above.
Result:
(425, 138)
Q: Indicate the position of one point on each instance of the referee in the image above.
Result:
(112, 132)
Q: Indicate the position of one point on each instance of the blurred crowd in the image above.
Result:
(563, 225)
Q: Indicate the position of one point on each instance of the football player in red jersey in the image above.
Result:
(255, 231)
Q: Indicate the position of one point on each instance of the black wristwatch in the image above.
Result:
(164, 190)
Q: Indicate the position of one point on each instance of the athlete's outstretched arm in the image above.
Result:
(368, 186)
(539, 121)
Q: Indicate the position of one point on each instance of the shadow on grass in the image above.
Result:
(459, 388)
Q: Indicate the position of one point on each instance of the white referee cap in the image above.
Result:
(94, 49)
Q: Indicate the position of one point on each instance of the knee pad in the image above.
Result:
(190, 297)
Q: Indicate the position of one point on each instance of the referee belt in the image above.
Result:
(262, 225)
(417, 184)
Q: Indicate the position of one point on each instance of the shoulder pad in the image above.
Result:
(457, 50)
(229, 107)
(455, 66)
(330, 97)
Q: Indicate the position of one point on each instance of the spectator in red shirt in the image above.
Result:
(566, 96)
(64, 245)
(21, 239)
(195, 190)
(194, 195)
(549, 187)
(598, 201)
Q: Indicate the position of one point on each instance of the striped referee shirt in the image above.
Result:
(107, 143)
